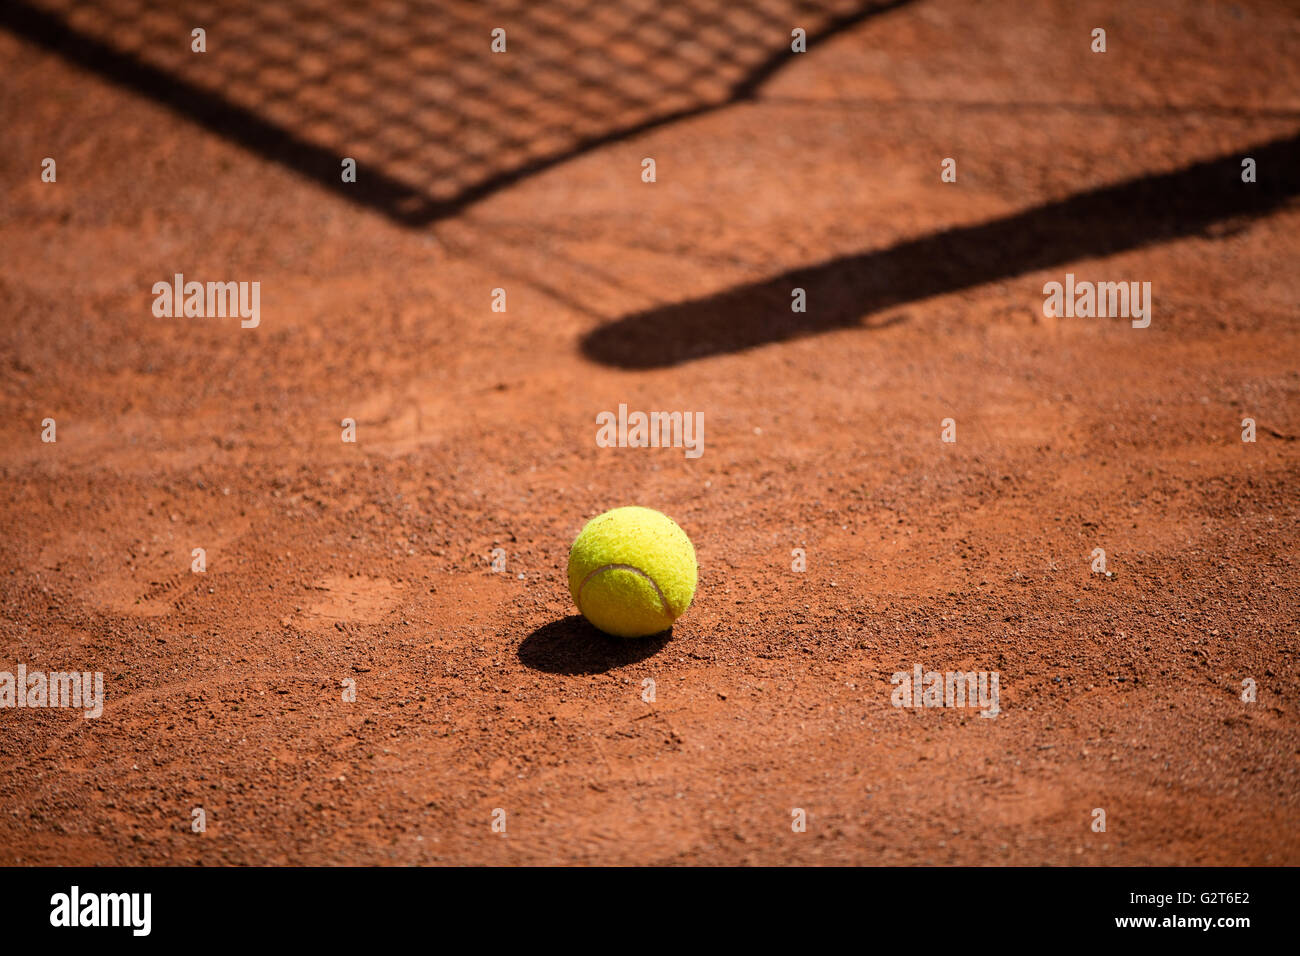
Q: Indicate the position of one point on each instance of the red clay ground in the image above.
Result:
(478, 691)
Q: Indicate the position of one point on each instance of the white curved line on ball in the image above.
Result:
(625, 567)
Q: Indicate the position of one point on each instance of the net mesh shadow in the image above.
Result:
(412, 90)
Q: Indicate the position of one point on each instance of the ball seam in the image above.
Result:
(663, 600)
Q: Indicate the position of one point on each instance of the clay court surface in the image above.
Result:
(475, 690)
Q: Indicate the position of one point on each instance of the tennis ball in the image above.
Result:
(632, 572)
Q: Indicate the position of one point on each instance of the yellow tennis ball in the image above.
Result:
(632, 572)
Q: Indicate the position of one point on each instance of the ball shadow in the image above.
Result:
(572, 646)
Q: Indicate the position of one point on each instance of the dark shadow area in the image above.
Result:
(572, 646)
(414, 93)
(845, 291)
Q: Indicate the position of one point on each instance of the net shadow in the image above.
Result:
(411, 88)
(847, 290)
